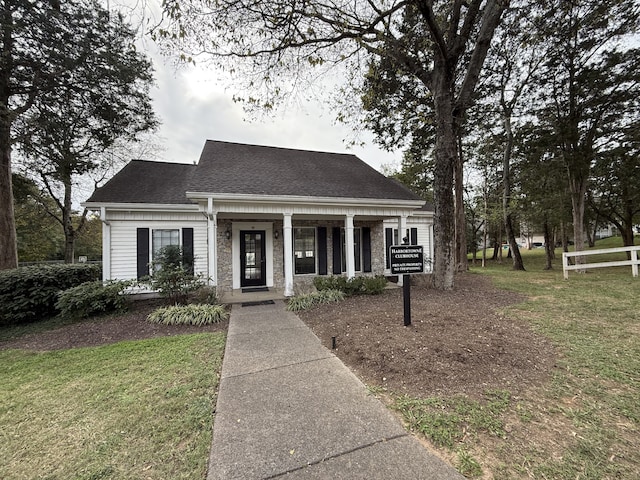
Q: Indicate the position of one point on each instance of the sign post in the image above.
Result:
(406, 259)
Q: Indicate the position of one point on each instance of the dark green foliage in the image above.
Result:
(306, 301)
(206, 295)
(171, 275)
(374, 285)
(189, 315)
(93, 298)
(29, 294)
(354, 286)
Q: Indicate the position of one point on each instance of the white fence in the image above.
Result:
(615, 263)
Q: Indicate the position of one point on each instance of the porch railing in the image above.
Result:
(613, 263)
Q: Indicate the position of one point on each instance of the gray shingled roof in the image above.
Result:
(142, 181)
(235, 168)
(257, 170)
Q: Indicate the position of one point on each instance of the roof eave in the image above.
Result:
(309, 200)
(174, 207)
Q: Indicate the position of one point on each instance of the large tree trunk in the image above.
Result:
(8, 244)
(578, 188)
(506, 194)
(445, 159)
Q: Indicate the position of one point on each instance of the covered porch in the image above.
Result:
(282, 243)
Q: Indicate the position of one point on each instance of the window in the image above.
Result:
(357, 250)
(304, 250)
(164, 238)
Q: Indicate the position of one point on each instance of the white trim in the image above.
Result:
(171, 207)
(302, 200)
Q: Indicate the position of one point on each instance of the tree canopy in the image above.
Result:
(67, 131)
(49, 52)
(277, 46)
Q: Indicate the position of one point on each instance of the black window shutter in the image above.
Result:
(388, 241)
(366, 249)
(142, 246)
(322, 250)
(337, 251)
(414, 236)
(187, 249)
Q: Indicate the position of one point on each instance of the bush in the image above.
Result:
(171, 275)
(308, 300)
(189, 315)
(205, 294)
(30, 293)
(374, 285)
(353, 286)
(93, 298)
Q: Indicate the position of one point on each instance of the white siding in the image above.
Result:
(424, 226)
(124, 248)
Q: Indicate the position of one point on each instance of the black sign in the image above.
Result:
(406, 259)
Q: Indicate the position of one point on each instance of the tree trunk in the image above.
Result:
(445, 159)
(462, 263)
(578, 188)
(8, 243)
(506, 193)
(548, 246)
(627, 236)
(67, 223)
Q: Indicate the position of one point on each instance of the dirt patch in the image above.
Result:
(458, 342)
(92, 332)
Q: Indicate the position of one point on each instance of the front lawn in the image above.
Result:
(138, 409)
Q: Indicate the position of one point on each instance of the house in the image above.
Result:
(256, 216)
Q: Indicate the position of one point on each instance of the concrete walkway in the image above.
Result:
(287, 407)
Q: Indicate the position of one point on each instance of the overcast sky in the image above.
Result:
(193, 107)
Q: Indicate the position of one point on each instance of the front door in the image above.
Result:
(252, 258)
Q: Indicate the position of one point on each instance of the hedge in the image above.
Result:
(28, 294)
(353, 286)
(93, 298)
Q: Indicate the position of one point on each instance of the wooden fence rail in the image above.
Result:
(614, 263)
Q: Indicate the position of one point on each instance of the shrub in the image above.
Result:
(30, 293)
(93, 298)
(354, 286)
(205, 294)
(330, 283)
(374, 285)
(189, 315)
(172, 277)
(308, 300)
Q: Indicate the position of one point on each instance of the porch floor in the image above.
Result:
(238, 296)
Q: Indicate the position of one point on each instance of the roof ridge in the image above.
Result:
(292, 149)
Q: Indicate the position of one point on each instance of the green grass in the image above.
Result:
(585, 422)
(131, 410)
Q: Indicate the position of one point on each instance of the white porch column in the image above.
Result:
(106, 245)
(287, 236)
(402, 228)
(212, 242)
(402, 232)
(349, 246)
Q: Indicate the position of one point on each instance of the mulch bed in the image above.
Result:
(458, 342)
(131, 325)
